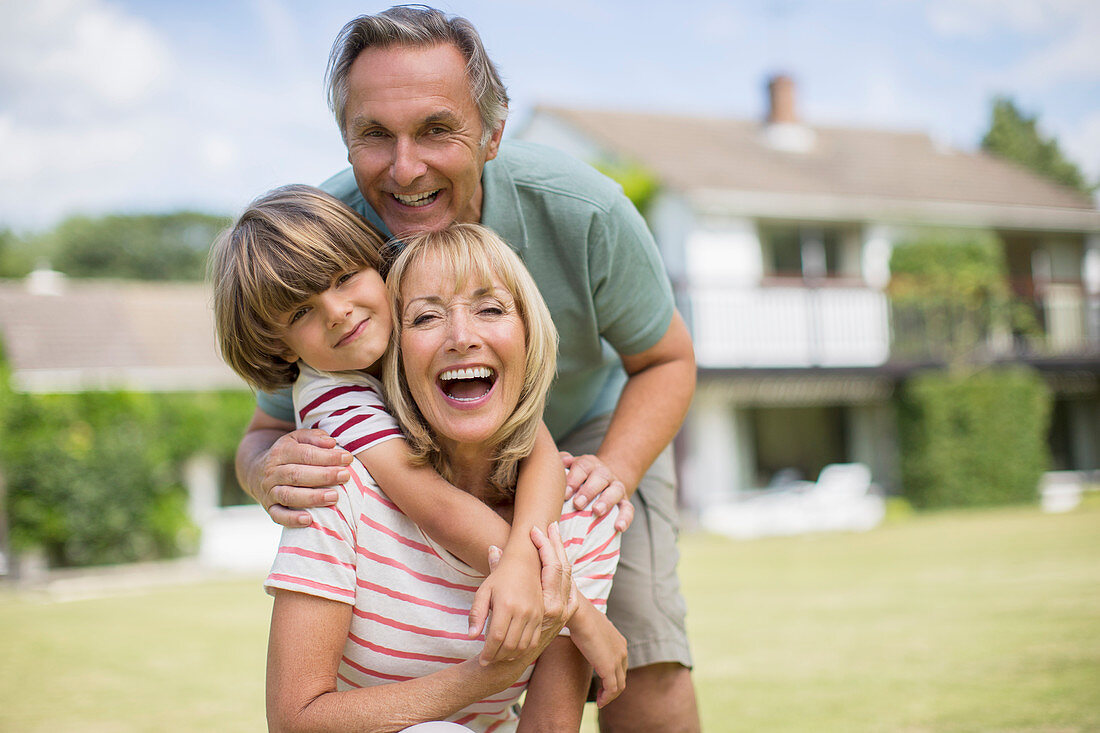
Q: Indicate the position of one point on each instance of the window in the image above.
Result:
(810, 252)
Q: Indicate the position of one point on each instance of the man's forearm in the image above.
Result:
(652, 406)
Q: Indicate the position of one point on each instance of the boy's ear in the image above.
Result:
(289, 355)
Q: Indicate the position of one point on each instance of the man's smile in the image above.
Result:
(417, 199)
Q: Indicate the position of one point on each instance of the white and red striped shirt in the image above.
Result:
(411, 597)
(348, 406)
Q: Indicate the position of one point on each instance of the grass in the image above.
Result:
(960, 621)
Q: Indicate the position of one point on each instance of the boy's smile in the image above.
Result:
(346, 327)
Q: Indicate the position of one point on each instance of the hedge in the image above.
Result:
(973, 439)
(96, 478)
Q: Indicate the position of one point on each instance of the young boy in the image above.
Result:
(299, 298)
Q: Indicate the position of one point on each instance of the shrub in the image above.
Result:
(973, 439)
(96, 478)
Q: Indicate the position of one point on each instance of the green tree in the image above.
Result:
(139, 247)
(949, 291)
(1015, 136)
(639, 183)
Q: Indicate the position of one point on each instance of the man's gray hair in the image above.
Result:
(417, 25)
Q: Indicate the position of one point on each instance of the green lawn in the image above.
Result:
(962, 621)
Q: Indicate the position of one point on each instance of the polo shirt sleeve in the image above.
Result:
(279, 405)
(630, 288)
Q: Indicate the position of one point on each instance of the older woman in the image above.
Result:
(369, 622)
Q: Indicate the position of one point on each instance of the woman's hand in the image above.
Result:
(590, 481)
(513, 594)
(559, 595)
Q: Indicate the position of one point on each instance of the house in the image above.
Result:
(64, 336)
(777, 235)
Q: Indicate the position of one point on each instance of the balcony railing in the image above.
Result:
(850, 326)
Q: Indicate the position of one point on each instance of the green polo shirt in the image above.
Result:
(592, 257)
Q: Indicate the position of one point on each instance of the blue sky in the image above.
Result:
(128, 105)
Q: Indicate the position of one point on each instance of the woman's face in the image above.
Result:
(463, 353)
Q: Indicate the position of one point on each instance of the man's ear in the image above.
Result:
(493, 146)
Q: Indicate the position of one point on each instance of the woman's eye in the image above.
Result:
(422, 319)
(345, 277)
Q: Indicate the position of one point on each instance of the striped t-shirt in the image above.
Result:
(411, 597)
(348, 406)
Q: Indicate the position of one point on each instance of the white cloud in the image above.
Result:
(74, 57)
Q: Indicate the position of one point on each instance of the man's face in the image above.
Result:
(414, 137)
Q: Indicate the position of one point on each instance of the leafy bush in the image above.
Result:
(950, 293)
(97, 477)
(973, 439)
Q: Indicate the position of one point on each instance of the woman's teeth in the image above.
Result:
(467, 373)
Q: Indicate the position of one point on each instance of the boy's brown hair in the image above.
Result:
(288, 245)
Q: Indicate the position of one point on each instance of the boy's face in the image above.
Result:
(344, 328)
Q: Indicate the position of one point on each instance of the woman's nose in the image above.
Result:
(463, 334)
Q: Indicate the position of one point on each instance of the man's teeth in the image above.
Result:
(416, 199)
(468, 373)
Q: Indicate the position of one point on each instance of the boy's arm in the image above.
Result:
(603, 646)
(454, 518)
(465, 526)
(540, 491)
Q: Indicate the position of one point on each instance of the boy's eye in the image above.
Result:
(296, 315)
(346, 276)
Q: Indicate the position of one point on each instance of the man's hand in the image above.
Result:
(590, 481)
(284, 469)
(513, 594)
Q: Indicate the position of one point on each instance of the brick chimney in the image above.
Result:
(781, 100)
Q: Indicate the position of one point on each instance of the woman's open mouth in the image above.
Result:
(468, 384)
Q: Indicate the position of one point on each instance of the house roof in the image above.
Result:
(80, 335)
(846, 171)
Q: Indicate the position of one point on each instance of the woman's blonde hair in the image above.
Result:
(286, 246)
(470, 252)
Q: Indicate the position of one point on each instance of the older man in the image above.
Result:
(422, 109)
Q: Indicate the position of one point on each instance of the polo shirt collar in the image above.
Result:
(500, 209)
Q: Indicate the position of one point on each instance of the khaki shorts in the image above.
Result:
(645, 603)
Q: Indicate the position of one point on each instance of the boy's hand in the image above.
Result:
(514, 595)
(294, 469)
(590, 481)
(604, 648)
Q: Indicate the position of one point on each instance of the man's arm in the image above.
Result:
(658, 391)
(283, 468)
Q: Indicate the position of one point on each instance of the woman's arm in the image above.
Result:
(307, 639)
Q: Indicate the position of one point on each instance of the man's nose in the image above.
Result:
(407, 164)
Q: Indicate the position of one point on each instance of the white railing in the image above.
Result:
(790, 327)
